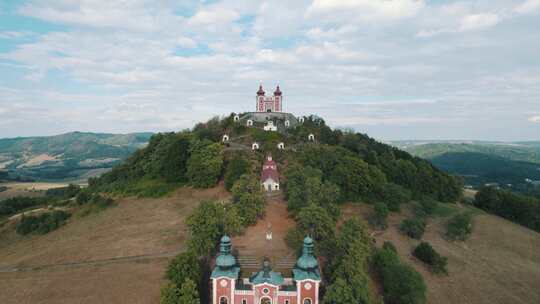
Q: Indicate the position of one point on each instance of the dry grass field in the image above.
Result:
(498, 264)
(25, 189)
(116, 256)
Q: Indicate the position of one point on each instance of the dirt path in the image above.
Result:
(253, 242)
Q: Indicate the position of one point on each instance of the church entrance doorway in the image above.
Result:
(269, 187)
(266, 301)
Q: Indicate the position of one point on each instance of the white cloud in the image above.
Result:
(213, 16)
(535, 119)
(367, 9)
(466, 23)
(528, 7)
(478, 22)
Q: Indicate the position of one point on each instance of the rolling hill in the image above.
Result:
(70, 156)
(513, 165)
(518, 151)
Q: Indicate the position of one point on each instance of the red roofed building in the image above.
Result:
(270, 175)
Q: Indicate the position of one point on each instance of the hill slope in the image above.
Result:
(75, 155)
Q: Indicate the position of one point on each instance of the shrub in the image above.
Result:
(401, 283)
(426, 206)
(64, 192)
(15, 204)
(43, 223)
(3, 188)
(92, 203)
(459, 227)
(413, 227)
(380, 214)
(425, 253)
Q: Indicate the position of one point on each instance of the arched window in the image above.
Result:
(307, 301)
(223, 300)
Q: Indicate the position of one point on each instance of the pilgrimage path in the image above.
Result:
(253, 245)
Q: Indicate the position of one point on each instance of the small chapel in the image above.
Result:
(265, 286)
(269, 175)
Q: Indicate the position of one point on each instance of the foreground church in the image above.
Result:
(265, 286)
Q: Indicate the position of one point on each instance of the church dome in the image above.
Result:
(225, 258)
(307, 260)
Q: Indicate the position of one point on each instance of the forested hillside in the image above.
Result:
(478, 168)
(68, 156)
(359, 165)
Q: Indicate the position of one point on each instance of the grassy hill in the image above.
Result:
(69, 156)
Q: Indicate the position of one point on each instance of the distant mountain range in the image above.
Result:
(70, 156)
(481, 162)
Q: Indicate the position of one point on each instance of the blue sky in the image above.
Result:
(409, 69)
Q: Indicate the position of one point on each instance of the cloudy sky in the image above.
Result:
(395, 69)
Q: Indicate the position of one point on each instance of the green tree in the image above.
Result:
(236, 167)
(170, 294)
(394, 196)
(248, 199)
(339, 292)
(205, 164)
(188, 293)
(185, 266)
(401, 283)
(314, 220)
(206, 226)
(349, 259)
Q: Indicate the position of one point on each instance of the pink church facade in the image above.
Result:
(269, 103)
(265, 286)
